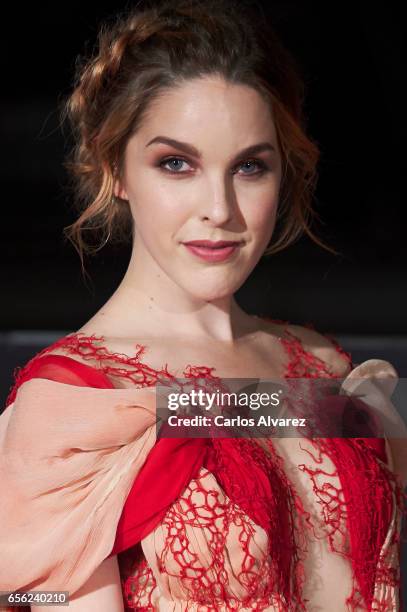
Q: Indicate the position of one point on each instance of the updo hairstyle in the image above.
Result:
(153, 49)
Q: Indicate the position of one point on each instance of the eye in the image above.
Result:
(176, 164)
(256, 162)
(174, 167)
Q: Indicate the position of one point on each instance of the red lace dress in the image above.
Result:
(217, 524)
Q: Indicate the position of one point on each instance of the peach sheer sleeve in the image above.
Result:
(68, 458)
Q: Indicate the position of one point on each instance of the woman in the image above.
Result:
(190, 136)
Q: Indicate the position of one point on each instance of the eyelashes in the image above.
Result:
(167, 160)
(263, 167)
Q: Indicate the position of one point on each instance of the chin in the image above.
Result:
(210, 283)
(209, 294)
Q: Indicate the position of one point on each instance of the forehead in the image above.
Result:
(210, 108)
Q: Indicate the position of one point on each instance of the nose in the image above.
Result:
(219, 205)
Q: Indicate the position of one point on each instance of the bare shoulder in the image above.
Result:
(77, 345)
(64, 352)
(324, 347)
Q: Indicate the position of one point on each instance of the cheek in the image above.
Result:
(261, 214)
(148, 202)
(157, 217)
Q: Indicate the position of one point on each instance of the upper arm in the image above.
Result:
(100, 429)
(338, 361)
(102, 591)
(398, 453)
(60, 368)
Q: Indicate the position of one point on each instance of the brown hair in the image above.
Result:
(153, 49)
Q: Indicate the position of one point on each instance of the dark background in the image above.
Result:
(352, 56)
(353, 61)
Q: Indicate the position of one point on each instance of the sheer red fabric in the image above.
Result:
(255, 482)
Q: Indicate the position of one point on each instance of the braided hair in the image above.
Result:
(152, 49)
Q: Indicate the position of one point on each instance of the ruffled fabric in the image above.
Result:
(68, 458)
(199, 524)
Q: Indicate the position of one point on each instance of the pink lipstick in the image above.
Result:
(212, 251)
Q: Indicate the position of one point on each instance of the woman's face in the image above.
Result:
(188, 175)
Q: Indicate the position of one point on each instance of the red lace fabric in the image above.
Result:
(236, 536)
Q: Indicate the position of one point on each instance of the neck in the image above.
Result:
(148, 299)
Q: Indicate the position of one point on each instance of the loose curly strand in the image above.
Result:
(148, 51)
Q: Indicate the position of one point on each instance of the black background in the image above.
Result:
(353, 60)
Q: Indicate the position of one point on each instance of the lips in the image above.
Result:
(213, 244)
(212, 251)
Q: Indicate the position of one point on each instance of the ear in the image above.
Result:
(119, 190)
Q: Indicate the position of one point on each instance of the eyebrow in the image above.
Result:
(189, 148)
